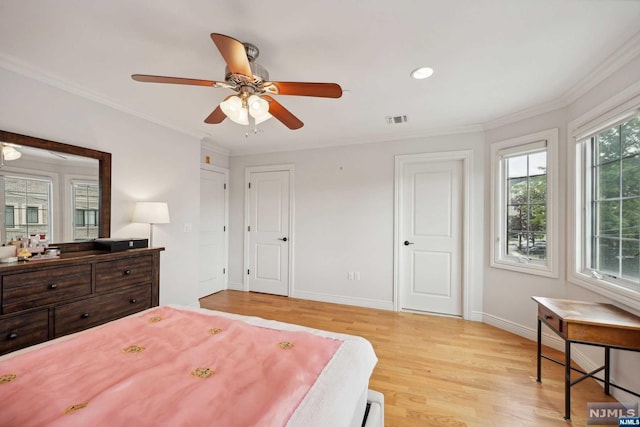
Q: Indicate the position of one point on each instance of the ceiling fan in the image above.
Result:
(251, 83)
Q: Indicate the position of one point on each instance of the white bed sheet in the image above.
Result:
(336, 398)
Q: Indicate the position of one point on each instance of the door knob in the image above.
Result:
(284, 239)
(407, 243)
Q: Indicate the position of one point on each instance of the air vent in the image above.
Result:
(396, 120)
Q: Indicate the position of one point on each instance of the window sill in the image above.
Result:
(618, 294)
(524, 267)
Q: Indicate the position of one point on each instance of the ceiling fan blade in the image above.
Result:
(285, 116)
(323, 90)
(217, 116)
(233, 53)
(176, 80)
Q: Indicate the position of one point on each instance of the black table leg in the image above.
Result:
(539, 379)
(567, 380)
(607, 358)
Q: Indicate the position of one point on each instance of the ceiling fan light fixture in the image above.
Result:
(257, 106)
(422, 73)
(10, 153)
(232, 108)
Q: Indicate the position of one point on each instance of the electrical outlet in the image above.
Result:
(187, 228)
(350, 275)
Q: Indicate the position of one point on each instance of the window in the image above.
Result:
(608, 225)
(27, 206)
(85, 205)
(9, 216)
(524, 203)
(32, 214)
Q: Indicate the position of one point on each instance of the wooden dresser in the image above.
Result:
(42, 300)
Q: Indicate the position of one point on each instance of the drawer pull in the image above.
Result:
(133, 300)
(13, 335)
(127, 272)
(85, 315)
(548, 316)
(53, 286)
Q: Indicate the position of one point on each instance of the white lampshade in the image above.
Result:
(10, 153)
(259, 109)
(232, 108)
(151, 213)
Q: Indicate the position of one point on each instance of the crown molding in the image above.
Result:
(525, 114)
(614, 62)
(21, 68)
(452, 130)
(211, 145)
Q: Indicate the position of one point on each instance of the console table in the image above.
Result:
(597, 324)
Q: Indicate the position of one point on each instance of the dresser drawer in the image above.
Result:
(22, 291)
(94, 311)
(123, 272)
(24, 330)
(550, 318)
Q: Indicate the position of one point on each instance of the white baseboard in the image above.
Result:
(235, 286)
(552, 340)
(339, 299)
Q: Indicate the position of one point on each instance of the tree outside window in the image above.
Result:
(527, 205)
(615, 201)
(524, 203)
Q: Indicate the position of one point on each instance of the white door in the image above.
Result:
(268, 232)
(430, 265)
(212, 240)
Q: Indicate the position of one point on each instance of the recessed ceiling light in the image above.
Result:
(422, 73)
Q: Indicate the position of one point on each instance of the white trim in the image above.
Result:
(498, 259)
(19, 67)
(614, 62)
(452, 130)
(225, 172)
(247, 175)
(606, 112)
(466, 156)
(618, 59)
(341, 299)
(553, 341)
(209, 144)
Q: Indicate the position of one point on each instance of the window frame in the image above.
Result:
(87, 213)
(608, 114)
(524, 144)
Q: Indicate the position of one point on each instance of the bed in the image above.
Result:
(175, 365)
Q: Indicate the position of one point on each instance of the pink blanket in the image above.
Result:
(168, 367)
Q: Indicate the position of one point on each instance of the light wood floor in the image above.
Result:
(437, 371)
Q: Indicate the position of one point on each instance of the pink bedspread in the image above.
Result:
(166, 368)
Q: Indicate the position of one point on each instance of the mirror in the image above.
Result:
(58, 192)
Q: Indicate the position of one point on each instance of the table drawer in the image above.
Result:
(550, 318)
(94, 311)
(33, 289)
(24, 330)
(123, 272)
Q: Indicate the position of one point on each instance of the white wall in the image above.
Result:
(344, 201)
(149, 163)
(507, 294)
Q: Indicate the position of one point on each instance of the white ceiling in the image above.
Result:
(492, 58)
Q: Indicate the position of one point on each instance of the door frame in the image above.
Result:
(247, 176)
(225, 172)
(466, 156)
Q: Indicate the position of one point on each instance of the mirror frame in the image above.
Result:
(104, 169)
